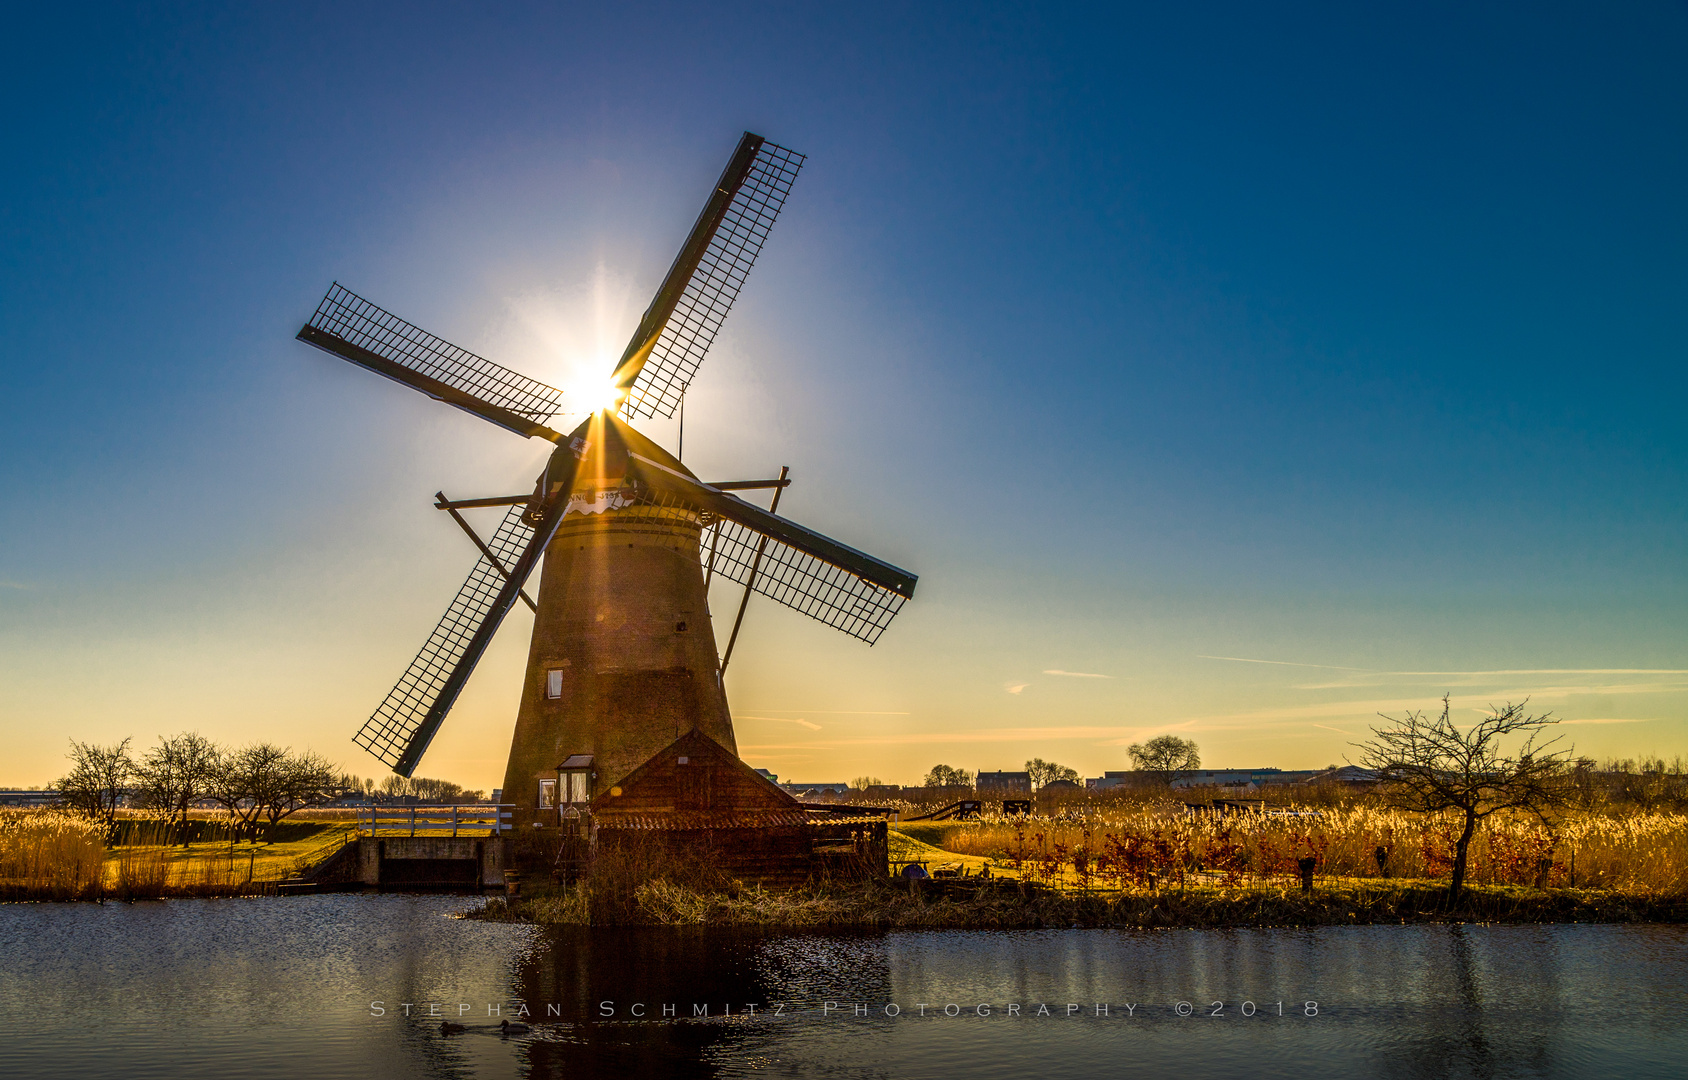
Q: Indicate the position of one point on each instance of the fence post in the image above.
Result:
(454, 822)
(413, 820)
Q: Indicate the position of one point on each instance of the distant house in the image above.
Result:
(32, 797)
(1238, 779)
(1000, 784)
(1055, 787)
(833, 790)
(1352, 775)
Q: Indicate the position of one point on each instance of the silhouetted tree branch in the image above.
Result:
(1431, 765)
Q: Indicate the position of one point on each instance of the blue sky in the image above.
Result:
(1347, 340)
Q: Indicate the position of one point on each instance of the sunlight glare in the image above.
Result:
(579, 331)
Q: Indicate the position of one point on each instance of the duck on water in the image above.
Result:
(505, 1028)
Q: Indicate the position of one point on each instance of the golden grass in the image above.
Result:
(51, 855)
(1644, 854)
(1005, 904)
(1157, 864)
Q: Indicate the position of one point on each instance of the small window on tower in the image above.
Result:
(547, 794)
(554, 683)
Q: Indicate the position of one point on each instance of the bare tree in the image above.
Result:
(944, 776)
(862, 782)
(247, 782)
(99, 778)
(1431, 765)
(264, 782)
(177, 773)
(440, 791)
(1166, 756)
(1047, 772)
(304, 780)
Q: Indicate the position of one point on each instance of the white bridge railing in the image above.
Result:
(469, 819)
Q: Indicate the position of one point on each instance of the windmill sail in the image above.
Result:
(686, 314)
(354, 329)
(400, 730)
(394, 727)
(801, 581)
(846, 589)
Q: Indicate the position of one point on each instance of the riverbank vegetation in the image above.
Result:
(1644, 854)
(55, 855)
(1160, 862)
(1006, 903)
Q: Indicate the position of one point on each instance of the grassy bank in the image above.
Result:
(1023, 905)
(1640, 853)
(48, 855)
(1166, 869)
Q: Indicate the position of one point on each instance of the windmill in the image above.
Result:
(623, 658)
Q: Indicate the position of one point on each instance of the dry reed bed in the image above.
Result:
(53, 855)
(1011, 905)
(1644, 854)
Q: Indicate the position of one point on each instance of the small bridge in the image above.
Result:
(419, 848)
(464, 819)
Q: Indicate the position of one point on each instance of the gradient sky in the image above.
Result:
(1230, 372)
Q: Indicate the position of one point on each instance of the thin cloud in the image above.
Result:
(1553, 671)
(1612, 720)
(1075, 674)
(1372, 710)
(1025, 734)
(1160, 729)
(1276, 663)
(13, 585)
(1327, 727)
(782, 720)
(837, 712)
(1015, 687)
(1376, 672)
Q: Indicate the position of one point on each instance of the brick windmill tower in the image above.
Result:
(624, 658)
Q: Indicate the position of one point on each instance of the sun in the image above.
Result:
(592, 395)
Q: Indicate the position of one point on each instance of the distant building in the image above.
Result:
(818, 791)
(1055, 786)
(32, 797)
(1352, 775)
(1004, 783)
(882, 791)
(1241, 779)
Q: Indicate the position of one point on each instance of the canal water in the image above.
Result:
(358, 986)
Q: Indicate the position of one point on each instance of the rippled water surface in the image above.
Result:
(321, 987)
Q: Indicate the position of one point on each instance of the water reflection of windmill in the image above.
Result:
(623, 659)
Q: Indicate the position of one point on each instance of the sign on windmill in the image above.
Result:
(623, 659)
